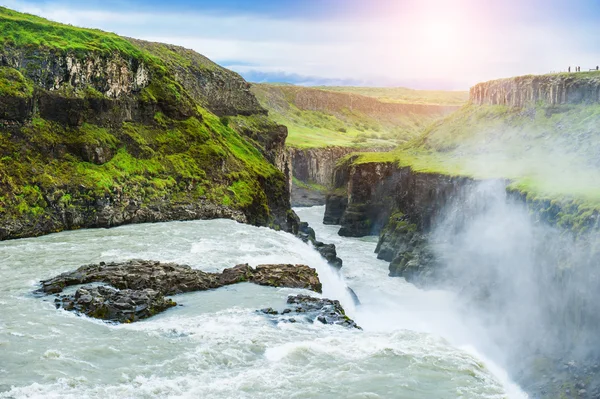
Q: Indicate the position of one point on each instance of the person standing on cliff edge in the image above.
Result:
(569, 69)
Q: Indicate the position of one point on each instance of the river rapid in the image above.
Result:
(414, 343)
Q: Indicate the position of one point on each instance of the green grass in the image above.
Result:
(189, 160)
(346, 128)
(12, 83)
(541, 145)
(405, 95)
(29, 31)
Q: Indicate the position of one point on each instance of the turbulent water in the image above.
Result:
(414, 343)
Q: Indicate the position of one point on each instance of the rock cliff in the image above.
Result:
(519, 257)
(97, 130)
(313, 169)
(556, 89)
(371, 192)
(403, 206)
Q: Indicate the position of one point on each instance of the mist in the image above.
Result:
(531, 287)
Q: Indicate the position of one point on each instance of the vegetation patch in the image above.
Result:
(12, 83)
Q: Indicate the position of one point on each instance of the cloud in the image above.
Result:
(422, 46)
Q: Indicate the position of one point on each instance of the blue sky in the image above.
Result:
(445, 44)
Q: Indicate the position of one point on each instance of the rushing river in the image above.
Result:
(414, 343)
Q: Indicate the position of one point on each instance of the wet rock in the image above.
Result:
(167, 278)
(292, 276)
(313, 309)
(335, 206)
(137, 288)
(306, 232)
(327, 251)
(107, 303)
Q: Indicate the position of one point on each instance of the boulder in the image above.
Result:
(311, 309)
(107, 303)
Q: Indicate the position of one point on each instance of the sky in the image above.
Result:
(421, 44)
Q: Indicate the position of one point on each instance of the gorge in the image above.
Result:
(468, 226)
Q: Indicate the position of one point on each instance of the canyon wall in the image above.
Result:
(403, 206)
(99, 130)
(574, 88)
(315, 168)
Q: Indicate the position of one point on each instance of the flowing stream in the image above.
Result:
(415, 343)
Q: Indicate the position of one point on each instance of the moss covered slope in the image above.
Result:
(99, 130)
(319, 117)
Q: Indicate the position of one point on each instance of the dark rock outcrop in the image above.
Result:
(399, 205)
(310, 309)
(327, 251)
(306, 197)
(136, 288)
(314, 169)
(107, 303)
(336, 204)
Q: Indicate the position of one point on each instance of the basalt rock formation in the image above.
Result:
(313, 169)
(557, 89)
(394, 202)
(311, 309)
(126, 131)
(137, 289)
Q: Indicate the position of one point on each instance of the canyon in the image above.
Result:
(491, 206)
(500, 238)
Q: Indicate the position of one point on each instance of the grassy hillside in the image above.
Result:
(369, 124)
(405, 95)
(137, 142)
(548, 152)
(25, 30)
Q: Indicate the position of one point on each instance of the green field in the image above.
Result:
(405, 95)
(346, 128)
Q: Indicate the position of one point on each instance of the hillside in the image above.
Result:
(541, 133)
(97, 130)
(405, 95)
(318, 117)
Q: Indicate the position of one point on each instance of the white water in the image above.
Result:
(414, 343)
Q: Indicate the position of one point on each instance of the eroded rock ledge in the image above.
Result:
(137, 288)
